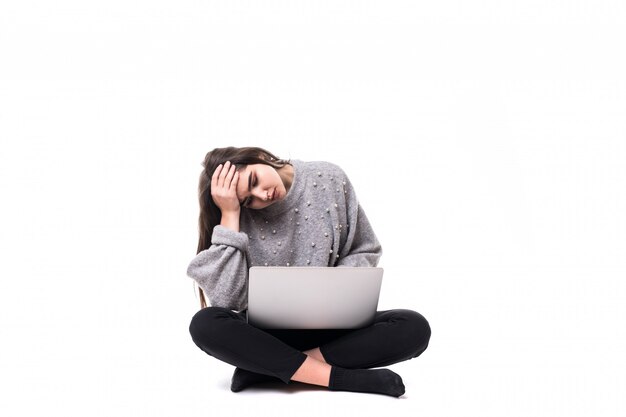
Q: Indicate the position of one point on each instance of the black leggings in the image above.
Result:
(395, 336)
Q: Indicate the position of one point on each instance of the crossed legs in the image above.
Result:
(396, 335)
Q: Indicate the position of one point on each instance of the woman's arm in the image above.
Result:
(222, 269)
(361, 247)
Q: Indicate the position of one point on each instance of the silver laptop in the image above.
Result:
(313, 297)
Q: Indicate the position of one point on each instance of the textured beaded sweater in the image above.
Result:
(319, 222)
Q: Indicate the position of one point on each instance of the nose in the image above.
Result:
(263, 195)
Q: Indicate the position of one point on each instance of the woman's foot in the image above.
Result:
(242, 379)
(376, 381)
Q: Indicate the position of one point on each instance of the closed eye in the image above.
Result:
(248, 200)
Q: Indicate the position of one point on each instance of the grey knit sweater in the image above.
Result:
(318, 223)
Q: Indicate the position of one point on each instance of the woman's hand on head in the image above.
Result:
(224, 188)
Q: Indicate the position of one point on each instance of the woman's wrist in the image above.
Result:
(230, 220)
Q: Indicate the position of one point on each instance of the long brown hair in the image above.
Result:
(210, 214)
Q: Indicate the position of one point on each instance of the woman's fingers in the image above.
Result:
(215, 175)
(224, 186)
(222, 177)
(233, 184)
(229, 176)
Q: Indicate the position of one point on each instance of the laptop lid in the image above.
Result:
(313, 297)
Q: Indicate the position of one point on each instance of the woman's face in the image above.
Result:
(259, 186)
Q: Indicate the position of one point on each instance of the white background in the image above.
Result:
(485, 139)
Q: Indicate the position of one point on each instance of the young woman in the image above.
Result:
(257, 209)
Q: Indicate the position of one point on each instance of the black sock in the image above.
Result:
(243, 379)
(379, 381)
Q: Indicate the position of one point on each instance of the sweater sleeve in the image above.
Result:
(222, 269)
(361, 247)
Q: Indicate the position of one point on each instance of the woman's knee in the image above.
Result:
(207, 323)
(416, 330)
